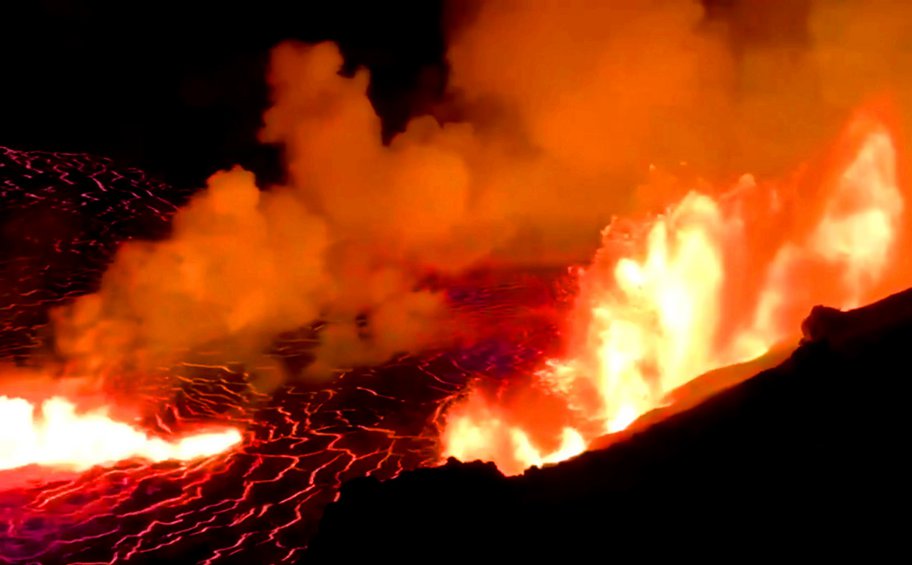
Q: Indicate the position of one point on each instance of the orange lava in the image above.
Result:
(717, 280)
(56, 434)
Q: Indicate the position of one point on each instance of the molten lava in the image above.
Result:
(61, 437)
(717, 280)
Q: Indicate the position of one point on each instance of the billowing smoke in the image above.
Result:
(555, 112)
(348, 239)
(596, 92)
(223, 275)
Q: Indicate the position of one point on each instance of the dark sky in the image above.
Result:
(178, 87)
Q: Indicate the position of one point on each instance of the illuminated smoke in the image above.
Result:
(572, 101)
(561, 106)
(351, 235)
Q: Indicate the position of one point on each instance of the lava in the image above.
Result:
(261, 500)
(673, 297)
(232, 302)
(60, 436)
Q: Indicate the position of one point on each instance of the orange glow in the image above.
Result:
(56, 435)
(717, 280)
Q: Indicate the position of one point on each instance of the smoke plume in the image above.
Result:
(352, 234)
(555, 112)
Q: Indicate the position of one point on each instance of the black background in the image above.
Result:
(178, 88)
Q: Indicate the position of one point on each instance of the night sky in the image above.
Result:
(178, 88)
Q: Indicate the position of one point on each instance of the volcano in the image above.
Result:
(524, 281)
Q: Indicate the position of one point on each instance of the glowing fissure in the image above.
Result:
(56, 434)
(659, 305)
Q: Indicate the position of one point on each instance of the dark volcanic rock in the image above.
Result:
(861, 326)
(805, 459)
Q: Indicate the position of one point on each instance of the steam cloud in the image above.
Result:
(556, 110)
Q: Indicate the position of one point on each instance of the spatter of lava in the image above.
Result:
(64, 215)
(721, 279)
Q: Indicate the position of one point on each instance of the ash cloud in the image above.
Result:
(554, 113)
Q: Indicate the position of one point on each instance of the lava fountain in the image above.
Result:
(717, 280)
(56, 434)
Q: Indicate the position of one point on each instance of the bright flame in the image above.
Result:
(714, 282)
(59, 436)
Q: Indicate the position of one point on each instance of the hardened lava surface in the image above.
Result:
(62, 216)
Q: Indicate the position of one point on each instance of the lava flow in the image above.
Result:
(260, 500)
(717, 280)
(60, 436)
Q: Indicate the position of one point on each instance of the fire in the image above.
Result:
(673, 297)
(59, 436)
